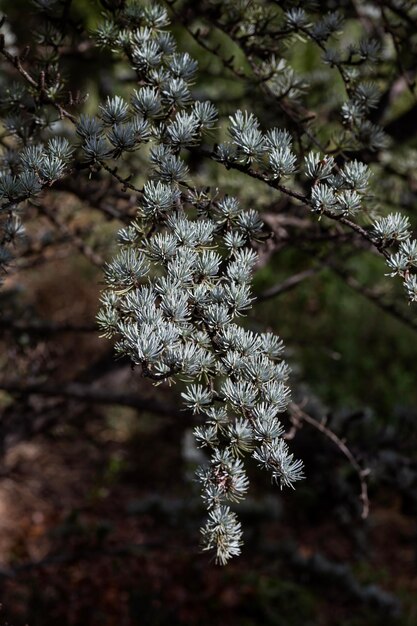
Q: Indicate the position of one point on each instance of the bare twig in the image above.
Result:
(123, 181)
(299, 416)
(370, 294)
(286, 285)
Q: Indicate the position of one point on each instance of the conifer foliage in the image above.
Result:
(182, 280)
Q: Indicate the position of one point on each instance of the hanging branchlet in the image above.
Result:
(183, 276)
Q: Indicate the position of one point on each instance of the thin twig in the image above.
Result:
(301, 416)
(286, 285)
(389, 307)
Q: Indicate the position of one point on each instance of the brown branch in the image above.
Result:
(16, 62)
(90, 395)
(124, 181)
(373, 296)
(298, 416)
(41, 327)
(286, 285)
